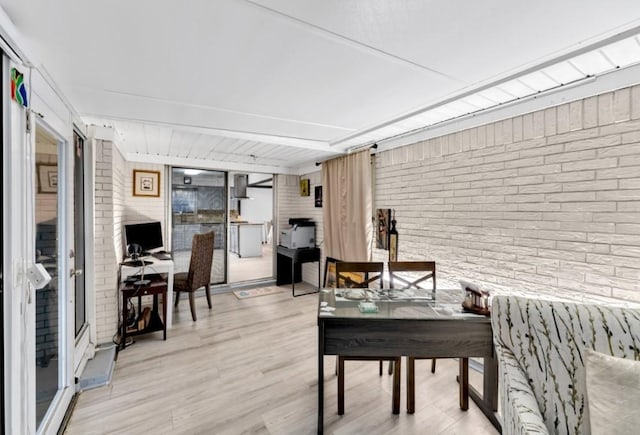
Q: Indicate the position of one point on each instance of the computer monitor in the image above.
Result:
(148, 235)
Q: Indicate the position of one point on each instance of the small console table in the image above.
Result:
(157, 286)
(289, 268)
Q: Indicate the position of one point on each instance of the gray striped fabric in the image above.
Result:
(540, 345)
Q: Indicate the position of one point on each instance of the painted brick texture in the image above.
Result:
(546, 201)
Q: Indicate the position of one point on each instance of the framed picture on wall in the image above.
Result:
(383, 219)
(146, 183)
(318, 196)
(304, 187)
(47, 178)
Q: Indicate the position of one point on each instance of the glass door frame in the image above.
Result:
(66, 314)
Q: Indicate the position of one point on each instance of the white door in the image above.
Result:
(53, 328)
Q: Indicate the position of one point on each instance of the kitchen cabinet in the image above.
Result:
(246, 239)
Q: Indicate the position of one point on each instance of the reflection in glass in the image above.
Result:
(46, 243)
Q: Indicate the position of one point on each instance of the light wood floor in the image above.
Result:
(250, 366)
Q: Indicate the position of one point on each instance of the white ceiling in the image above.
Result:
(273, 85)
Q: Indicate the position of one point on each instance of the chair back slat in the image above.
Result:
(359, 274)
(425, 269)
(201, 260)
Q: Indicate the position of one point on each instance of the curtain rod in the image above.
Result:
(374, 146)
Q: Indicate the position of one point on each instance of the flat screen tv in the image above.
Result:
(148, 235)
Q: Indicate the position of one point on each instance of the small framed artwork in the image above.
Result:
(47, 178)
(304, 187)
(187, 180)
(146, 183)
(318, 196)
(383, 220)
(330, 272)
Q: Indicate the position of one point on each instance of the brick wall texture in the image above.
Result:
(546, 200)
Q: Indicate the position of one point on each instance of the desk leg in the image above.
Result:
(397, 368)
(293, 278)
(169, 300)
(123, 332)
(320, 378)
(319, 283)
(164, 314)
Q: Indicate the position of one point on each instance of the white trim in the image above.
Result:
(595, 86)
(208, 164)
(89, 218)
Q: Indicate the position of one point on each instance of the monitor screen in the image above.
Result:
(147, 235)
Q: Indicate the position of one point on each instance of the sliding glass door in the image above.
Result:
(199, 205)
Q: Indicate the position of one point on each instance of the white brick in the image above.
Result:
(575, 115)
(622, 105)
(605, 109)
(563, 118)
(635, 102)
(590, 112)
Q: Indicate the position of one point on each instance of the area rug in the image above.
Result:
(254, 292)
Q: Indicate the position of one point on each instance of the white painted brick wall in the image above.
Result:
(545, 201)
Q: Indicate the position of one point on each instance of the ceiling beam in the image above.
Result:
(209, 164)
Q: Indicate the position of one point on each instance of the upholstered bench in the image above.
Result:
(543, 347)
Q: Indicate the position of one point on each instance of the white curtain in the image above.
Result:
(347, 199)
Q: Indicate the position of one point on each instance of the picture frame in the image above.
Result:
(318, 196)
(383, 220)
(305, 187)
(146, 183)
(47, 178)
(330, 279)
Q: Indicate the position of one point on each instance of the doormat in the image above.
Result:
(254, 292)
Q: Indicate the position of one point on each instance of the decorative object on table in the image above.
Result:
(383, 219)
(146, 183)
(476, 300)
(393, 240)
(255, 292)
(304, 187)
(18, 88)
(318, 196)
(47, 178)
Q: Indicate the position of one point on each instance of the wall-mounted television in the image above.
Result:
(148, 235)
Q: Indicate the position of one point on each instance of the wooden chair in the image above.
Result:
(364, 275)
(199, 274)
(412, 275)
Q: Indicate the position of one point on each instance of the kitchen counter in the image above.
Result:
(246, 239)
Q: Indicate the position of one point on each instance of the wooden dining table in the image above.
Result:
(408, 323)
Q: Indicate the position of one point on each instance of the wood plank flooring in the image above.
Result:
(250, 367)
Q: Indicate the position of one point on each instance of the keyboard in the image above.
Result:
(161, 255)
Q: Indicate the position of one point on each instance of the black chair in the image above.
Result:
(199, 274)
(364, 275)
(406, 275)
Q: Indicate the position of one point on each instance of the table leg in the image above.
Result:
(320, 378)
(340, 385)
(488, 401)
(464, 383)
(397, 362)
(411, 385)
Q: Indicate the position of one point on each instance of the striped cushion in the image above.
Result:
(545, 342)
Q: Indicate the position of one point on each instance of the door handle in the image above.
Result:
(75, 272)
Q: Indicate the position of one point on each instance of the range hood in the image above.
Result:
(240, 182)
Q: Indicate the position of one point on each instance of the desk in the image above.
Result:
(156, 266)
(289, 265)
(408, 327)
(157, 287)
